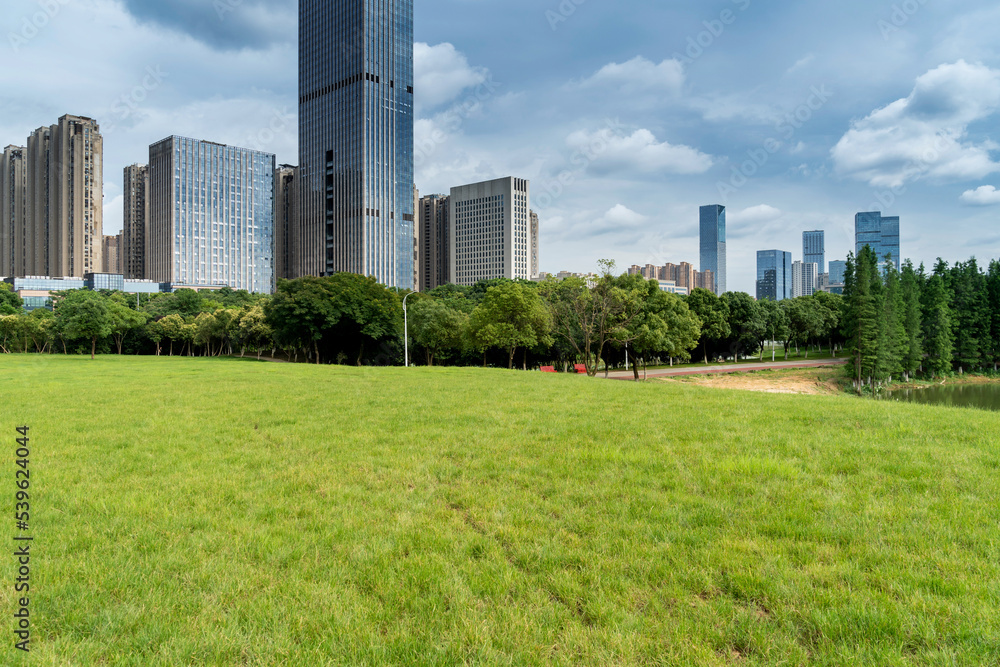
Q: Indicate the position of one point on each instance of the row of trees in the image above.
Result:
(900, 323)
(891, 324)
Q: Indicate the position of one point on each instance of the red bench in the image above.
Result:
(580, 368)
(548, 369)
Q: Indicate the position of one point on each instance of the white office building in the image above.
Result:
(490, 234)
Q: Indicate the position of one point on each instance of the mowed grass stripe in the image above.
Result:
(226, 512)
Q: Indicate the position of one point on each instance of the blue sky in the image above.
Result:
(626, 116)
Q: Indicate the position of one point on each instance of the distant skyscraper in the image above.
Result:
(881, 233)
(774, 275)
(536, 268)
(490, 235)
(434, 232)
(837, 269)
(814, 249)
(713, 244)
(135, 230)
(805, 278)
(356, 139)
(211, 213)
(14, 236)
(286, 203)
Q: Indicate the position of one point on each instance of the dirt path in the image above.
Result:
(729, 368)
(814, 381)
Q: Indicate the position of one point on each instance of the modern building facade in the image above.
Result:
(14, 234)
(837, 270)
(211, 215)
(356, 140)
(286, 205)
(135, 229)
(434, 230)
(490, 231)
(814, 249)
(111, 254)
(881, 233)
(774, 275)
(64, 199)
(713, 244)
(805, 278)
(536, 266)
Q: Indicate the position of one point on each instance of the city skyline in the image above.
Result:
(645, 128)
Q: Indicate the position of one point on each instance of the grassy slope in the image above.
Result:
(193, 511)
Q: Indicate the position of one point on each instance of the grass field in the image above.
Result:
(227, 512)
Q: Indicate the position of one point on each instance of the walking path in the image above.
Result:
(727, 368)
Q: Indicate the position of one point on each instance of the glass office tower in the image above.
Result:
(881, 233)
(211, 215)
(814, 249)
(356, 139)
(774, 275)
(713, 244)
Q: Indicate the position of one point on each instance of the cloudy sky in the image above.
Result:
(625, 115)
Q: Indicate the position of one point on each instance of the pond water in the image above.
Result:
(984, 396)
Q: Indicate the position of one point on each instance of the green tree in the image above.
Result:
(971, 315)
(861, 315)
(511, 315)
(937, 321)
(775, 325)
(892, 332)
(124, 320)
(154, 332)
(664, 327)
(10, 302)
(173, 329)
(10, 326)
(713, 313)
(830, 310)
(437, 327)
(913, 349)
(747, 324)
(85, 315)
(993, 296)
(254, 328)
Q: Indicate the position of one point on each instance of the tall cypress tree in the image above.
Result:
(993, 300)
(861, 317)
(892, 335)
(938, 341)
(913, 352)
(971, 318)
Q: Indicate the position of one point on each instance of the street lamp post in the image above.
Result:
(406, 333)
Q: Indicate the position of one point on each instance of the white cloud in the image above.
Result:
(606, 151)
(754, 215)
(441, 73)
(639, 74)
(986, 195)
(925, 134)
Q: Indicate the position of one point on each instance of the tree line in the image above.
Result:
(889, 324)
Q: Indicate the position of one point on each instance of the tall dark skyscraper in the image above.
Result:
(713, 244)
(814, 249)
(356, 139)
(879, 232)
(774, 275)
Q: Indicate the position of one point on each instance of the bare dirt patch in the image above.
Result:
(813, 381)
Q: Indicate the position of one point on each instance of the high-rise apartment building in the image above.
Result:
(14, 235)
(814, 249)
(135, 229)
(64, 199)
(211, 215)
(881, 233)
(536, 267)
(805, 278)
(110, 254)
(434, 215)
(774, 275)
(356, 140)
(286, 203)
(490, 235)
(713, 244)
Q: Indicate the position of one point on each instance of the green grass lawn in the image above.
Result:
(228, 512)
